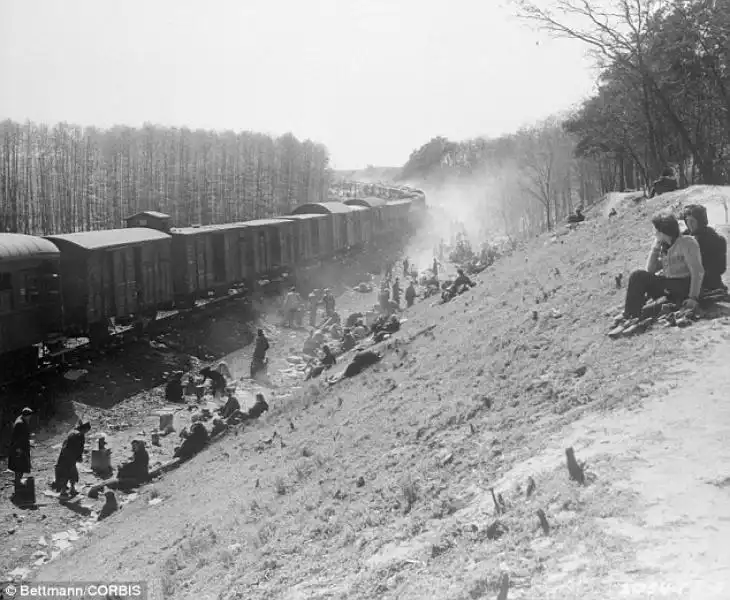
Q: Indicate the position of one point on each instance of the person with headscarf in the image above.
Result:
(19, 451)
(713, 246)
(72, 452)
(678, 259)
(138, 468)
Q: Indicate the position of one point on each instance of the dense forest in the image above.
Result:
(663, 99)
(66, 178)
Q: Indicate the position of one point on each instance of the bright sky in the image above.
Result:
(371, 79)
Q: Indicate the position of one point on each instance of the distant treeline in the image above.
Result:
(66, 178)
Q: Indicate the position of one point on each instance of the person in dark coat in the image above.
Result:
(72, 452)
(258, 362)
(217, 380)
(410, 294)
(137, 469)
(259, 407)
(19, 451)
(174, 389)
(713, 246)
(193, 443)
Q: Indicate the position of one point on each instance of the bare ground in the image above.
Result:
(380, 486)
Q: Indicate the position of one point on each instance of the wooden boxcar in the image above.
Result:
(342, 227)
(396, 216)
(114, 273)
(311, 235)
(270, 246)
(208, 259)
(30, 296)
(373, 218)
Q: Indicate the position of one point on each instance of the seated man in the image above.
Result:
(713, 246)
(217, 380)
(680, 261)
(462, 281)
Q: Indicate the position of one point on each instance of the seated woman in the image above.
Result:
(713, 246)
(680, 262)
(136, 469)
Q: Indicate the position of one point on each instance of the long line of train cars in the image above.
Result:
(72, 285)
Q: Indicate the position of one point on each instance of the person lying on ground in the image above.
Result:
(578, 217)
(678, 259)
(713, 246)
(72, 452)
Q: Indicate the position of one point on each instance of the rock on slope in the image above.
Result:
(381, 490)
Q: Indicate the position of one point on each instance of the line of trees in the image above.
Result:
(66, 178)
(664, 93)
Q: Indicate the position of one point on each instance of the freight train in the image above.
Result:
(73, 285)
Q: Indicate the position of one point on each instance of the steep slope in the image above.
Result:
(379, 487)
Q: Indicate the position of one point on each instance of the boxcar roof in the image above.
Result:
(398, 202)
(303, 216)
(369, 202)
(258, 222)
(109, 238)
(322, 208)
(17, 245)
(149, 213)
(206, 228)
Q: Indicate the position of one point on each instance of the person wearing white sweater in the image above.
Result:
(674, 269)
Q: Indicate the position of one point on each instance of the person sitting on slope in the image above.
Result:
(679, 260)
(713, 247)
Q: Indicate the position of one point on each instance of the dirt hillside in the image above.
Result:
(380, 486)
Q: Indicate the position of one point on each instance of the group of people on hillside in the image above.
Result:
(684, 266)
(66, 475)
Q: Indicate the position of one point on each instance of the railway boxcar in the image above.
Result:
(30, 298)
(208, 259)
(397, 215)
(373, 218)
(115, 273)
(270, 246)
(310, 235)
(342, 227)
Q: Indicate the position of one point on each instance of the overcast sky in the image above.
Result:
(371, 79)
